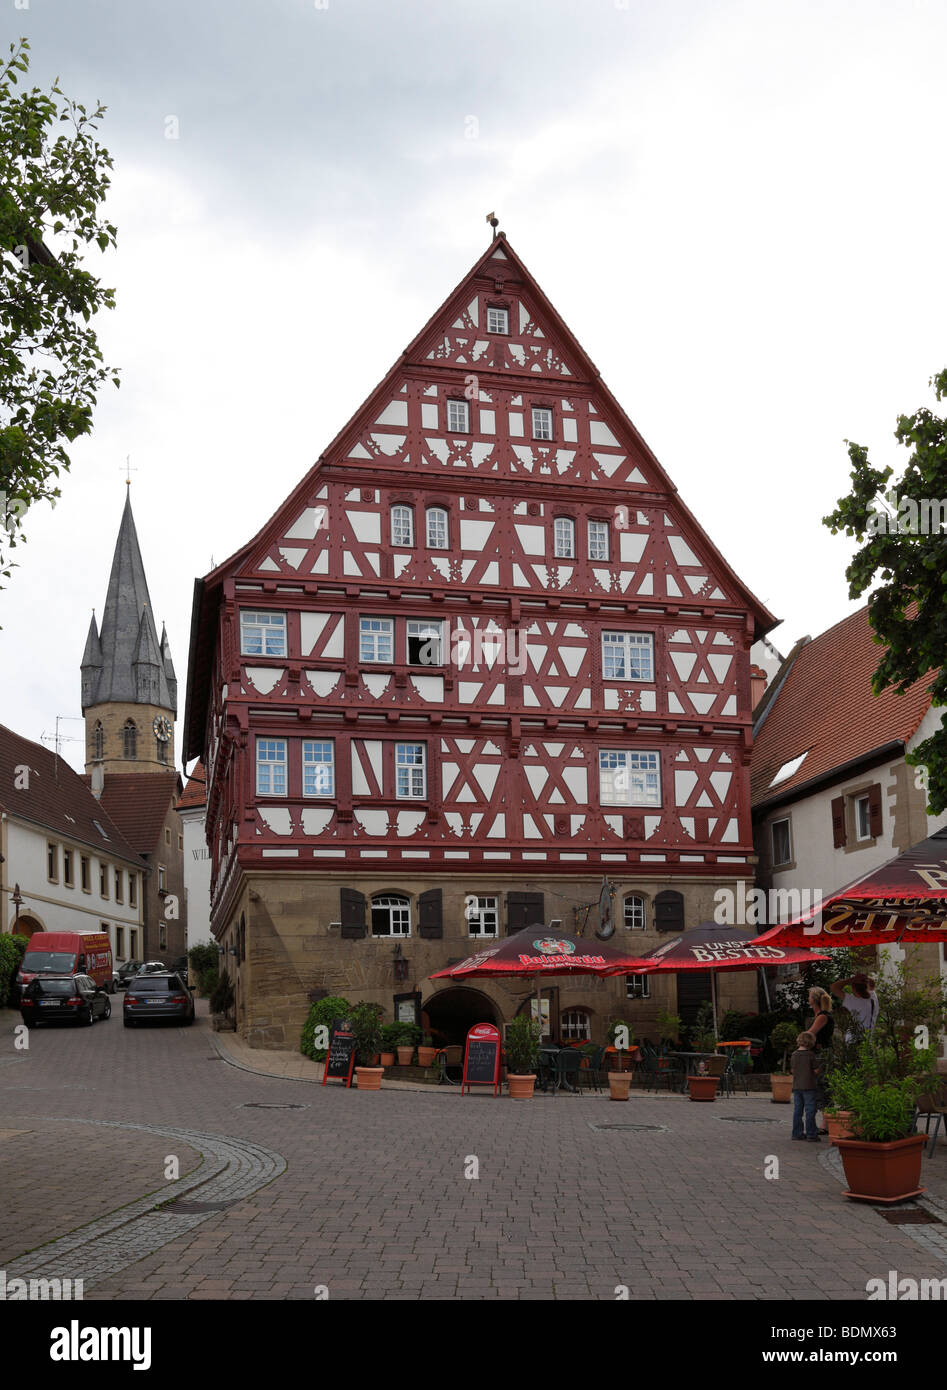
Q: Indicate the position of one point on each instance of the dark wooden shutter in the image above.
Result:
(839, 836)
(430, 913)
(353, 913)
(669, 911)
(874, 810)
(523, 910)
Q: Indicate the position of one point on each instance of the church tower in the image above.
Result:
(129, 690)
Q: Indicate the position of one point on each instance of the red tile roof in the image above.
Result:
(55, 797)
(195, 793)
(826, 710)
(139, 803)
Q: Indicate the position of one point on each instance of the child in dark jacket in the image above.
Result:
(805, 1089)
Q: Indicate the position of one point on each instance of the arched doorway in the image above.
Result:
(451, 1013)
(26, 924)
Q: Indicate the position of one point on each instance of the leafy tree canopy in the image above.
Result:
(53, 178)
(903, 539)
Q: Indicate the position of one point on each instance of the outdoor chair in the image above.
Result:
(931, 1107)
(569, 1065)
(594, 1071)
(717, 1066)
(737, 1068)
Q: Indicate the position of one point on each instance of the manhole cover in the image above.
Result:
(266, 1105)
(911, 1216)
(748, 1120)
(184, 1208)
(606, 1125)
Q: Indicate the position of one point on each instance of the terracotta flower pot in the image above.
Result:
(618, 1084)
(883, 1173)
(387, 1059)
(781, 1084)
(703, 1087)
(521, 1087)
(405, 1056)
(426, 1056)
(837, 1125)
(369, 1078)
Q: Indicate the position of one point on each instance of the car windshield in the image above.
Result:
(156, 984)
(51, 962)
(64, 987)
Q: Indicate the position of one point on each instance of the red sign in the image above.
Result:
(482, 1058)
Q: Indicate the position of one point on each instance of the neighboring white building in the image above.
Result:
(192, 808)
(74, 868)
(833, 797)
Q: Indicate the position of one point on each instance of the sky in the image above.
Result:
(738, 208)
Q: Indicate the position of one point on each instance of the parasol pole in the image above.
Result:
(713, 997)
(765, 987)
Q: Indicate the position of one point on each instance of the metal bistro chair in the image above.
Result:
(931, 1107)
(737, 1068)
(595, 1071)
(450, 1058)
(569, 1064)
(717, 1066)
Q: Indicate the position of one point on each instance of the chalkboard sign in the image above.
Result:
(482, 1058)
(341, 1058)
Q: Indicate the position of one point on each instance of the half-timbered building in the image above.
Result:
(481, 663)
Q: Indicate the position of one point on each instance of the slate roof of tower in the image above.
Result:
(127, 633)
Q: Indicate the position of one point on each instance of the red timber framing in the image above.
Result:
(484, 589)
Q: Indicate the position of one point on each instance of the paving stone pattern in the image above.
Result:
(373, 1201)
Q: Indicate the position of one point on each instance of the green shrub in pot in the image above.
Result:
(522, 1045)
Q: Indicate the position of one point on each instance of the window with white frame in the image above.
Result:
(425, 643)
(629, 778)
(634, 913)
(402, 525)
(498, 320)
(262, 634)
(482, 916)
(564, 538)
(542, 422)
(162, 878)
(458, 417)
(391, 915)
(862, 818)
(575, 1025)
(782, 842)
(318, 767)
(598, 540)
(376, 639)
(637, 987)
(436, 519)
(410, 771)
(271, 767)
(627, 656)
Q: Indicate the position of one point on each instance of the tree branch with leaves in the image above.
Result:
(52, 184)
(903, 539)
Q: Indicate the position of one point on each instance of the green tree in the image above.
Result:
(52, 182)
(903, 542)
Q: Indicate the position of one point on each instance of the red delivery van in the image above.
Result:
(68, 953)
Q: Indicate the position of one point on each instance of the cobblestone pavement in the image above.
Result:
(373, 1201)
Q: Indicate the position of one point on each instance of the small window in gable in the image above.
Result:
(498, 320)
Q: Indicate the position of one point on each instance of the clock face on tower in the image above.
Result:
(162, 728)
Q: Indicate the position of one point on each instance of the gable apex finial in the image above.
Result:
(494, 223)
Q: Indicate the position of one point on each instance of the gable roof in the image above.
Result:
(195, 793)
(57, 798)
(139, 803)
(823, 707)
(580, 372)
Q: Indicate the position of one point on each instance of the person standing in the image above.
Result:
(805, 1089)
(821, 1027)
(861, 1002)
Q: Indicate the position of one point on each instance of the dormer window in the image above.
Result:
(498, 320)
(458, 417)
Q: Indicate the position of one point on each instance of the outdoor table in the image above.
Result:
(740, 1042)
(691, 1062)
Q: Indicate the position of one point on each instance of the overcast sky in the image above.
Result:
(739, 209)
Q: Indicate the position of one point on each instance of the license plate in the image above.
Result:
(48, 1004)
(155, 1001)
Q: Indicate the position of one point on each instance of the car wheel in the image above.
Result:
(189, 1020)
(90, 1019)
(107, 1011)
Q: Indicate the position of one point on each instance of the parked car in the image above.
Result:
(152, 967)
(75, 998)
(126, 970)
(66, 953)
(157, 996)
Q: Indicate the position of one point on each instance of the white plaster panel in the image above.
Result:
(366, 526)
(264, 678)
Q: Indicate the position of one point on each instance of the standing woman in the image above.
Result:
(821, 1026)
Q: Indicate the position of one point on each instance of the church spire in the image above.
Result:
(124, 659)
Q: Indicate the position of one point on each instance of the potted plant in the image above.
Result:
(522, 1055)
(390, 1033)
(409, 1036)
(221, 1006)
(669, 1027)
(365, 1022)
(783, 1040)
(426, 1051)
(882, 1162)
(703, 1085)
